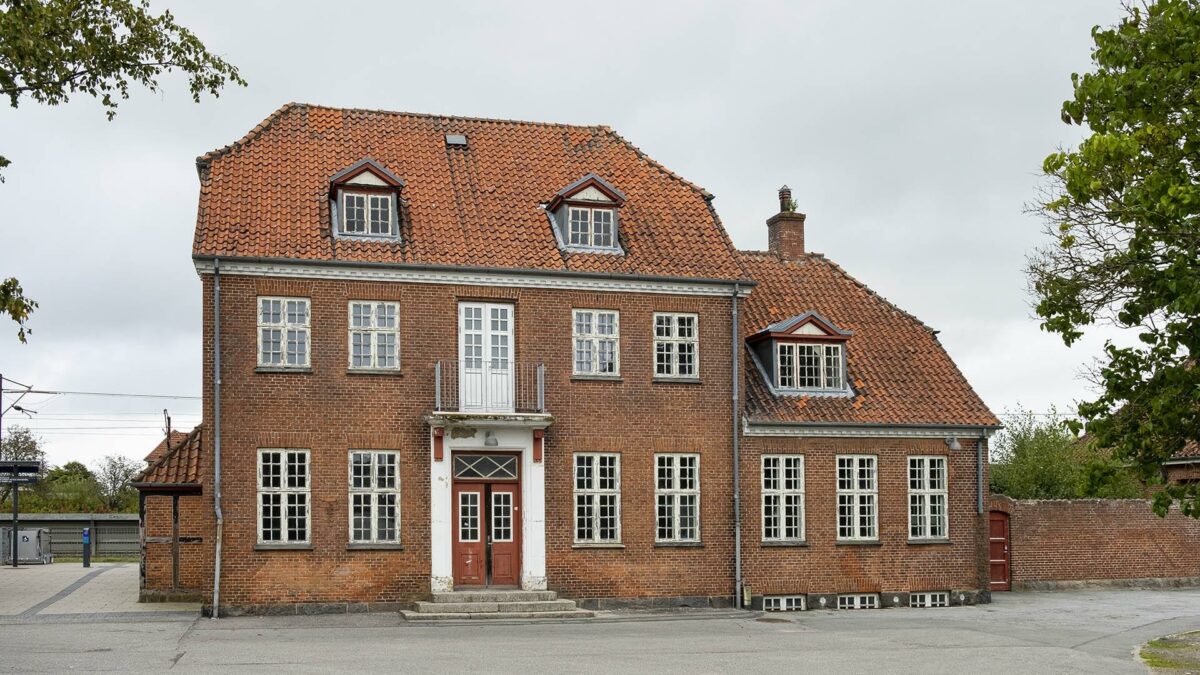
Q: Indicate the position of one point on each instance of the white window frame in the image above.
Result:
(372, 331)
(284, 490)
(831, 366)
(858, 499)
(929, 599)
(373, 491)
(673, 342)
(858, 601)
(774, 486)
(924, 493)
(370, 201)
(784, 603)
(591, 339)
(674, 492)
(592, 493)
(286, 328)
(591, 232)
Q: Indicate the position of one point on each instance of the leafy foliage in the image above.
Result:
(1123, 211)
(53, 49)
(1041, 459)
(13, 301)
(113, 475)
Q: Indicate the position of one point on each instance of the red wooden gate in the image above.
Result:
(999, 558)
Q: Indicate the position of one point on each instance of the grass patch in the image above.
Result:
(1173, 653)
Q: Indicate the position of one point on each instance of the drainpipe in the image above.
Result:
(737, 463)
(979, 470)
(217, 433)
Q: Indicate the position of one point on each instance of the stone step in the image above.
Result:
(481, 607)
(495, 596)
(411, 615)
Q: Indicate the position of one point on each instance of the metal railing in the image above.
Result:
(489, 386)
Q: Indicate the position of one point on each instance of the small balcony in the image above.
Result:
(489, 388)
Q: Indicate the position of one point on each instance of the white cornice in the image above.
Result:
(862, 431)
(434, 275)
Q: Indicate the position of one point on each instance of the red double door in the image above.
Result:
(487, 523)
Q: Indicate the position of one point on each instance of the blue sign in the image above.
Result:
(87, 535)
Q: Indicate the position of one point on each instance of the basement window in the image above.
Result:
(940, 599)
(783, 603)
(858, 601)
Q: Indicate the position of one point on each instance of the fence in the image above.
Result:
(113, 534)
(490, 386)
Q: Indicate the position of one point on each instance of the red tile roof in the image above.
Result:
(178, 465)
(267, 194)
(899, 371)
(161, 448)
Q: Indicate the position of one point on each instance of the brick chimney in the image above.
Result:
(785, 230)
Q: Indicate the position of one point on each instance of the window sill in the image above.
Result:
(678, 544)
(869, 542)
(798, 543)
(585, 545)
(282, 369)
(366, 546)
(659, 379)
(283, 547)
(922, 542)
(374, 371)
(597, 378)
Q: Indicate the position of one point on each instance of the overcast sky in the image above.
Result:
(910, 133)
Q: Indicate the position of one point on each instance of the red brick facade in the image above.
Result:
(1057, 542)
(196, 531)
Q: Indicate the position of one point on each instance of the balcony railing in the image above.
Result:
(489, 386)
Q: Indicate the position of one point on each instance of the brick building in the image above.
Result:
(458, 353)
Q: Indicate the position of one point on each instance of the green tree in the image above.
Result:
(1040, 458)
(51, 50)
(114, 474)
(19, 443)
(1123, 211)
(69, 471)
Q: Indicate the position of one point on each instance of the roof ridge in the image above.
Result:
(464, 118)
(171, 452)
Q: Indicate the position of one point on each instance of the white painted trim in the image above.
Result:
(429, 275)
(766, 429)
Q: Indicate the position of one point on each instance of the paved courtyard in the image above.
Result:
(63, 617)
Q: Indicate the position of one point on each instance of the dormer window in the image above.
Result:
(584, 216)
(808, 366)
(803, 355)
(364, 201)
(366, 213)
(591, 228)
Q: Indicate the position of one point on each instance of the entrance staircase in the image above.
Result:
(489, 604)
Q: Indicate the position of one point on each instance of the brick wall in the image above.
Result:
(1097, 540)
(329, 411)
(196, 525)
(893, 565)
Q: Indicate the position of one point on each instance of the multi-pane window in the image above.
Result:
(597, 498)
(591, 228)
(783, 497)
(676, 345)
(369, 214)
(374, 497)
(374, 335)
(857, 497)
(858, 601)
(929, 599)
(677, 497)
(283, 496)
(783, 603)
(927, 498)
(283, 333)
(597, 337)
(808, 366)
